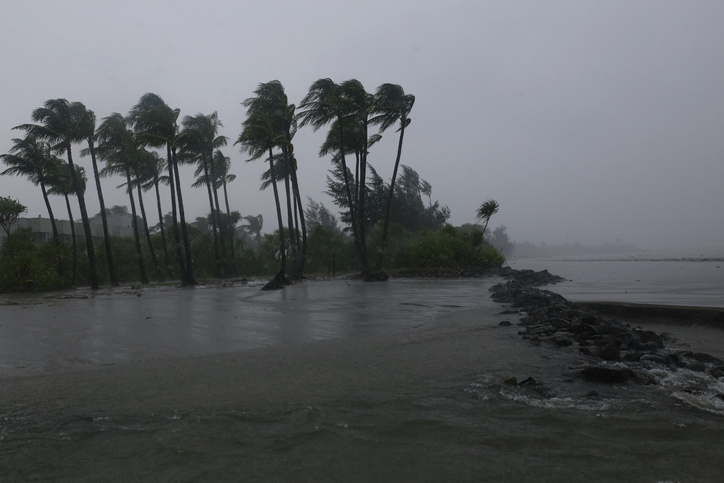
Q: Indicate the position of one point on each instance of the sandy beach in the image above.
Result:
(405, 386)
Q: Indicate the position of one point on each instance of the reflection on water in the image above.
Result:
(110, 328)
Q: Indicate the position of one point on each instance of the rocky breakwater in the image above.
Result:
(617, 352)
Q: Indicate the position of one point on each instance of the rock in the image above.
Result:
(505, 323)
(695, 366)
(607, 375)
(562, 340)
(706, 358)
(527, 382)
(717, 372)
(656, 359)
(511, 381)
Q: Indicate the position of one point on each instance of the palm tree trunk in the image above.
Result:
(163, 234)
(383, 243)
(290, 223)
(174, 217)
(134, 224)
(298, 204)
(214, 226)
(362, 181)
(282, 244)
(106, 236)
(189, 276)
(72, 236)
(232, 235)
(216, 214)
(56, 237)
(90, 249)
(350, 200)
(159, 273)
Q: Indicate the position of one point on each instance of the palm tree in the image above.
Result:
(141, 161)
(118, 148)
(151, 177)
(61, 183)
(33, 159)
(328, 102)
(260, 135)
(200, 138)
(156, 124)
(87, 132)
(222, 166)
(254, 226)
(486, 211)
(60, 123)
(393, 105)
(272, 101)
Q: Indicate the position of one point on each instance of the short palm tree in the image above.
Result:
(61, 184)
(486, 211)
(33, 159)
(60, 123)
(150, 176)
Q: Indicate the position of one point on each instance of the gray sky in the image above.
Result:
(587, 121)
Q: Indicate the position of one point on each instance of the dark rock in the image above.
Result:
(528, 382)
(511, 381)
(607, 375)
(505, 323)
(695, 366)
(706, 358)
(717, 372)
(656, 359)
(562, 340)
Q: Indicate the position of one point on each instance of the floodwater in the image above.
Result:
(329, 381)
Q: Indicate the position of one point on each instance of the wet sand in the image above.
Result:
(327, 381)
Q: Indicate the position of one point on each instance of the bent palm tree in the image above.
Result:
(393, 105)
(87, 132)
(156, 124)
(486, 211)
(60, 123)
(258, 137)
(118, 148)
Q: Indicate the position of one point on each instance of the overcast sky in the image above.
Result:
(588, 121)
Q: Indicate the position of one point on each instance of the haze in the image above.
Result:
(589, 122)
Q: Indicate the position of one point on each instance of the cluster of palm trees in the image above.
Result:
(350, 111)
(123, 143)
(126, 145)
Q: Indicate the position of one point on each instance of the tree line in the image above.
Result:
(128, 146)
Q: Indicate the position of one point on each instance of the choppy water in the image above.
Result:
(401, 381)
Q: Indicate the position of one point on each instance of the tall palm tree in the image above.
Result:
(61, 183)
(259, 136)
(328, 103)
(33, 159)
(87, 132)
(60, 124)
(200, 138)
(156, 124)
(141, 160)
(393, 105)
(272, 101)
(118, 148)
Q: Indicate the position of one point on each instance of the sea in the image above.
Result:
(340, 380)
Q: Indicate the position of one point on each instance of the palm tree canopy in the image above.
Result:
(31, 158)
(61, 123)
(488, 209)
(61, 182)
(392, 105)
(154, 121)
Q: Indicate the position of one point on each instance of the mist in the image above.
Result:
(588, 122)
